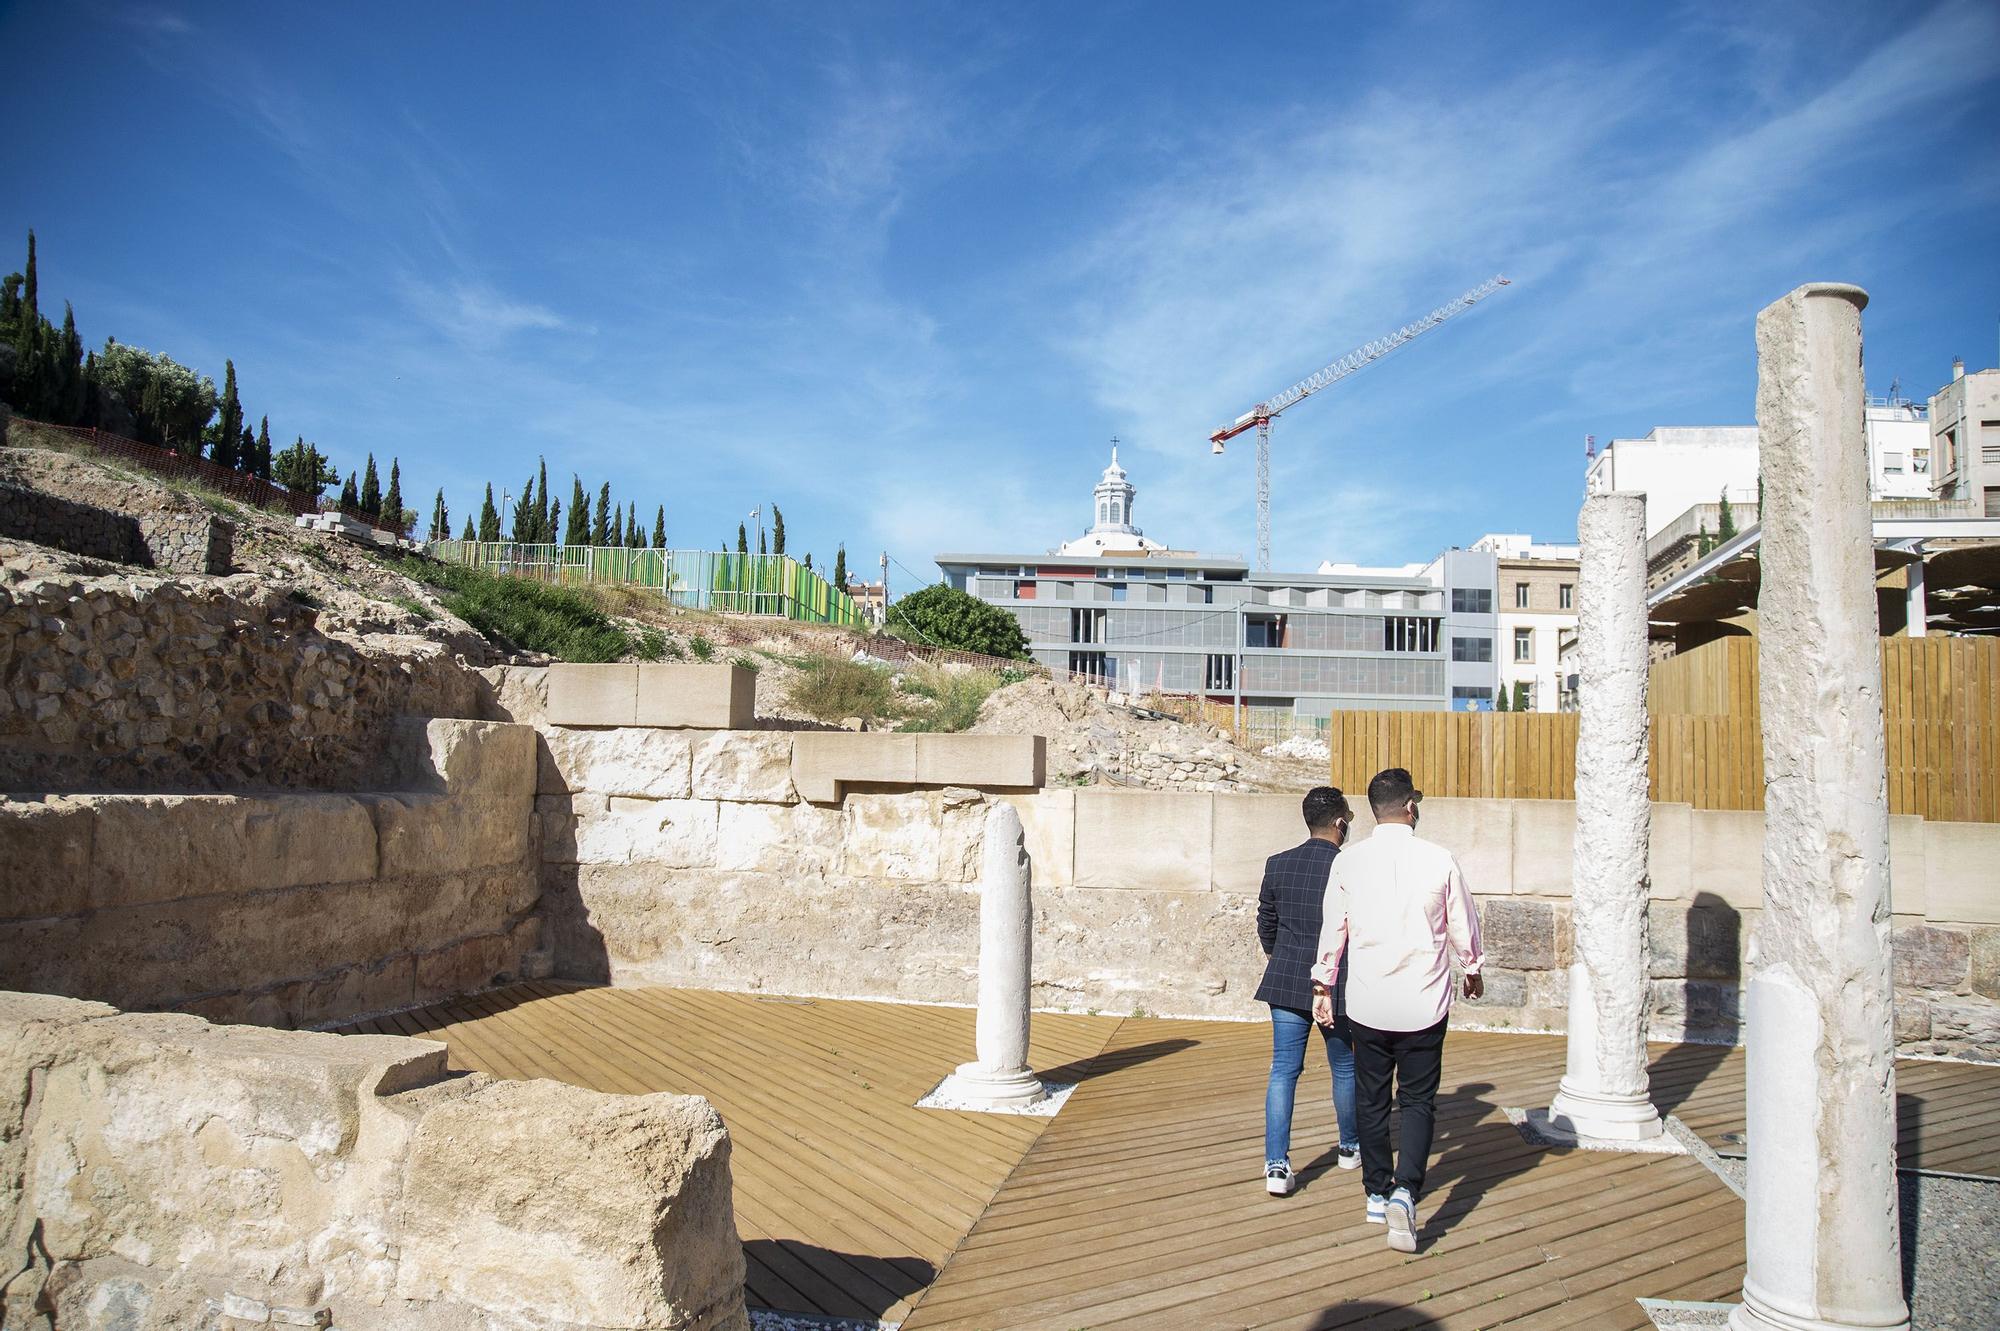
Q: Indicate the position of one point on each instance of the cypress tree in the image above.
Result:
(246, 455)
(742, 540)
(840, 569)
(264, 448)
(229, 430)
(75, 395)
(524, 514)
(600, 528)
(470, 535)
(660, 527)
(28, 314)
(777, 530)
(392, 502)
(440, 519)
(349, 500)
(489, 517)
(89, 414)
(545, 531)
(371, 490)
(1726, 519)
(579, 514)
(555, 520)
(760, 542)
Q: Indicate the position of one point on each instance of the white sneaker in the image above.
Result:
(1349, 1157)
(1378, 1207)
(1278, 1179)
(1401, 1216)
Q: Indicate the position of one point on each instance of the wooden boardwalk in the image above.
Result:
(1141, 1205)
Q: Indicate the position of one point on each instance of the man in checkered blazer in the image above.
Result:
(1288, 925)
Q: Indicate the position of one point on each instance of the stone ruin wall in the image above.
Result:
(139, 683)
(285, 910)
(822, 864)
(172, 540)
(160, 1172)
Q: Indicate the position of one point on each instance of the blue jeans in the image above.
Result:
(1289, 1028)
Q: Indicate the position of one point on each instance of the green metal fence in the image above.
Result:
(696, 579)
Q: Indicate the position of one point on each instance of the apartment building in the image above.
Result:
(1965, 439)
(1117, 606)
(1535, 592)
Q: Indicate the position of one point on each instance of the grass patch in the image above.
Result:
(951, 698)
(415, 607)
(703, 649)
(654, 645)
(833, 688)
(740, 660)
(531, 615)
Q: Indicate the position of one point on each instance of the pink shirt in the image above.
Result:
(1398, 906)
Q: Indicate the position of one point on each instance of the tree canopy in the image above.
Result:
(943, 616)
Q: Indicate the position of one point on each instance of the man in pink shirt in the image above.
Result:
(1397, 908)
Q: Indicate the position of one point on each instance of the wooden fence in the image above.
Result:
(1941, 707)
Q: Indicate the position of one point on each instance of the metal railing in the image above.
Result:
(775, 585)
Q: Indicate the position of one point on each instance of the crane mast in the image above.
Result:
(1260, 416)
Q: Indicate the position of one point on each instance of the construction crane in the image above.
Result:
(1260, 416)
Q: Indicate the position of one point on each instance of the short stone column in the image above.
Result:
(998, 1078)
(1604, 1093)
(1822, 1237)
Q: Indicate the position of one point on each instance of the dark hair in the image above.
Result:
(1390, 788)
(1323, 806)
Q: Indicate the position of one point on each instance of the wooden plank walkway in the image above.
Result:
(848, 1197)
(1140, 1205)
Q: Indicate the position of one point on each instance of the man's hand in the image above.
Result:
(1475, 986)
(1323, 1008)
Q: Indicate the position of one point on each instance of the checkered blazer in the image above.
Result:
(1288, 919)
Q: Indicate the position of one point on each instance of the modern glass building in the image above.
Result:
(1118, 607)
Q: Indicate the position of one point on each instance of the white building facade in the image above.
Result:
(1535, 596)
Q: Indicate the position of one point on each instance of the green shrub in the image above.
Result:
(703, 649)
(414, 606)
(654, 645)
(946, 617)
(530, 615)
(833, 688)
(952, 697)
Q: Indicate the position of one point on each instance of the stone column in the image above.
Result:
(1604, 1090)
(1822, 1225)
(1917, 611)
(998, 1078)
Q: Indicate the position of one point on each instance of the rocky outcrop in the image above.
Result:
(160, 1172)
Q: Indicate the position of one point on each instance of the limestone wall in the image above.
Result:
(142, 683)
(282, 909)
(364, 1187)
(822, 864)
(175, 540)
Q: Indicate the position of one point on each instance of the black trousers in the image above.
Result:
(1414, 1059)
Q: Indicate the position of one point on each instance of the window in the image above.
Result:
(1920, 462)
(1103, 513)
(1091, 664)
(1993, 501)
(1409, 633)
(1221, 674)
(1024, 591)
(1566, 596)
(1117, 591)
(1471, 601)
(1520, 596)
(1524, 644)
(1892, 464)
(1472, 649)
(1117, 510)
(1086, 626)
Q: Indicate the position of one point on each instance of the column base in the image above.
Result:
(1613, 1118)
(1004, 1088)
(1755, 1315)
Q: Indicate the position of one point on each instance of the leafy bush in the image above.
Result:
(703, 649)
(833, 688)
(947, 617)
(953, 697)
(531, 615)
(654, 645)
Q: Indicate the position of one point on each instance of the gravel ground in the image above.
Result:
(1951, 1249)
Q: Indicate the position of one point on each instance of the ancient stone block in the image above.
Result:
(621, 1218)
(593, 695)
(1729, 856)
(779, 838)
(1702, 942)
(1478, 833)
(1926, 957)
(1970, 1024)
(961, 833)
(433, 834)
(44, 856)
(1519, 935)
(823, 761)
(983, 762)
(223, 844)
(892, 836)
(1249, 829)
(1913, 1019)
(1504, 988)
(1959, 874)
(1544, 842)
(480, 757)
(698, 697)
(652, 764)
(1158, 842)
(1048, 824)
(1670, 856)
(1984, 972)
(679, 834)
(744, 765)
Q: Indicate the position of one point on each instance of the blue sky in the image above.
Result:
(903, 270)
